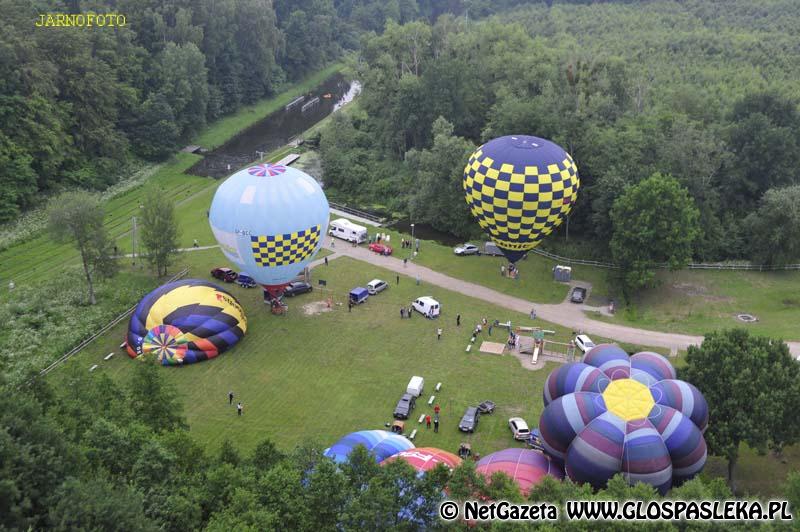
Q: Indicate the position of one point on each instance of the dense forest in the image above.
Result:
(696, 92)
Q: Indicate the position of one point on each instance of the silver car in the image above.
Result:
(375, 286)
(467, 249)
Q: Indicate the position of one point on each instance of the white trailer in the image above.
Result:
(347, 230)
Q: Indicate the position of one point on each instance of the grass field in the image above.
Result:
(318, 377)
(694, 301)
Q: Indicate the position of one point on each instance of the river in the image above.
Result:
(277, 129)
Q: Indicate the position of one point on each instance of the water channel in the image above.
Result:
(277, 129)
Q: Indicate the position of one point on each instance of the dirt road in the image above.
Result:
(564, 314)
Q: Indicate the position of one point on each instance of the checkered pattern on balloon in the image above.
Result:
(520, 188)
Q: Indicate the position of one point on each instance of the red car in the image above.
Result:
(381, 249)
(224, 274)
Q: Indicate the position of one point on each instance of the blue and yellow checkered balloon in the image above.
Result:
(282, 250)
(520, 188)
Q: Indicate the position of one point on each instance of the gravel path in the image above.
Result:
(565, 314)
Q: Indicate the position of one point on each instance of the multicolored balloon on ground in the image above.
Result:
(270, 221)
(426, 458)
(526, 467)
(520, 188)
(184, 322)
(612, 413)
(381, 443)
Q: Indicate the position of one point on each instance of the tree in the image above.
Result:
(654, 221)
(775, 227)
(98, 504)
(159, 230)
(752, 386)
(152, 401)
(78, 217)
(765, 140)
(438, 175)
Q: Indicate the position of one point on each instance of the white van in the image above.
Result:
(347, 230)
(415, 386)
(584, 343)
(427, 306)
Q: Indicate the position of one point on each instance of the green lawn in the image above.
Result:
(222, 130)
(320, 376)
(699, 301)
(317, 377)
(36, 258)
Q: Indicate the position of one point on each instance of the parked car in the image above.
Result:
(299, 287)
(245, 281)
(404, 406)
(486, 407)
(376, 285)
(224, 274)
(469, 421)
(519, 428)
(467, 249)
(584, 343)
(427, 306)
(380, 249)
(578, 295)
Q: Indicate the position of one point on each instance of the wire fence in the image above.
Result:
(742, 266)
(75, 350)
(356, 212)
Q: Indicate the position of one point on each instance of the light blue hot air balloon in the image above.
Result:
(270, 221)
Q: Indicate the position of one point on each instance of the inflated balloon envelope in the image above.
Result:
(520, 188)
(270, 221)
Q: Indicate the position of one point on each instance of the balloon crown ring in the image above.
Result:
(263, 170)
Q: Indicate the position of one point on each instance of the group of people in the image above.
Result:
(239, 407)
(405, 312)
(407, 244)
(511, 271)
(436, 411)
(483, 324)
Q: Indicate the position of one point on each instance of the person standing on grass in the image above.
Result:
(326, 260)
(439, 333)
(428, 420)
(402, 313)
(409, 312)
(418, 279)
(398, 279)
(195, 244)
(239, 408)
(230, 397)
(436, 423)
(436, 410)
(458, 320)
(349, 305)
(490, 330)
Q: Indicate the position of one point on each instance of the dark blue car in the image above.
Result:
(245, 281)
